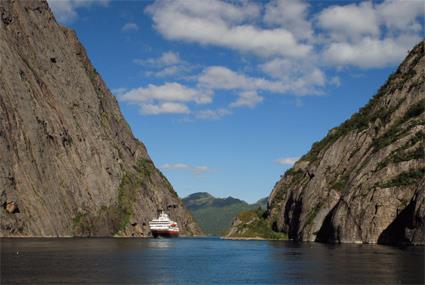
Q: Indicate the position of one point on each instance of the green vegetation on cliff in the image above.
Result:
(253, 224)
(117, 216)
(367, 115)
(334, 193)
(405, 178)
(400, 155)
(399, 129)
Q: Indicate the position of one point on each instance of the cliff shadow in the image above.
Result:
(395, 233)
(327, 231)
(292, 214)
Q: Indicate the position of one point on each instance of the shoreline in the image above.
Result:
(250, 238)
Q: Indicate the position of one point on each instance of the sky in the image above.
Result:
(227, 95)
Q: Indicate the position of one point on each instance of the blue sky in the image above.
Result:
(227, 95)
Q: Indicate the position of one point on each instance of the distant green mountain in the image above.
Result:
(262, 203)
(215, 215)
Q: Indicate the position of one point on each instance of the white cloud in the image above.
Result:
(369, 35)
(350, 21)
(247, 99)
(223, 24)
(201, 169)
(300, 77)
(369, 52)
(175, 166)
(294, 46)
(65, 11)
(118, 92)
(354, 21)
(166, 65)
(402, 15)
(287, 160)
(164, 108)
(289, 14)
(166, 59)
(169, 58)
(220, 77)
(290, 35)
(167, 92)
(335, 81)
(167, 71)
(211, 9)
(171, 98)
(212, 114)
(130, 27)
(183, 166)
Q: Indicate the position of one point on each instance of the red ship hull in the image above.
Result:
(164, 233)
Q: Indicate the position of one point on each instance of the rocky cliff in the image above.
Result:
(364, 182)
(70, 164)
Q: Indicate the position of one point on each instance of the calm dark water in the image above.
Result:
(204, 261)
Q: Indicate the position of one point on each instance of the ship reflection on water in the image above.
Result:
(161, 243)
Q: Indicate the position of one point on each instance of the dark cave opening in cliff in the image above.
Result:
(327, 231)
(395, 233)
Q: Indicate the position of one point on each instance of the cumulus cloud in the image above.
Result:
(66, 11)
(167, 64)
(289, 75)
(164, 108)
(370, 35)
(130, 27)
(287, 32)
(220, 77)
(183, 166)
(350, 21)
(369, 52)
(247, 99)
(118, 92)
(223, 24)
(294, 47)
(401, 15)
(166, 59)
(167, 71)
(335, 81)
(300, 77)
(166, 92)
(289, 14)
(212, 114)
(287, 160)
(166, 98)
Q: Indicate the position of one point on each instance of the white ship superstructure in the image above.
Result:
(163, 226)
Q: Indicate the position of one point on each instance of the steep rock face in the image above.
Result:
(364, 182)
(69, 162)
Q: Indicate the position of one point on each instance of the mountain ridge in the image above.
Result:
(215, 215)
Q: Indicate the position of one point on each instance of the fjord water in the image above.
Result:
(204, 261)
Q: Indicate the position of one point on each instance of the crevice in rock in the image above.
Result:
(293, 209)
(395, 233)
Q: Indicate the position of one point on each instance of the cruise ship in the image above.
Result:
(163, 226)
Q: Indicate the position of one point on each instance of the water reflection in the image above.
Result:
(348, 263)
(161, 243)
(204, 261)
